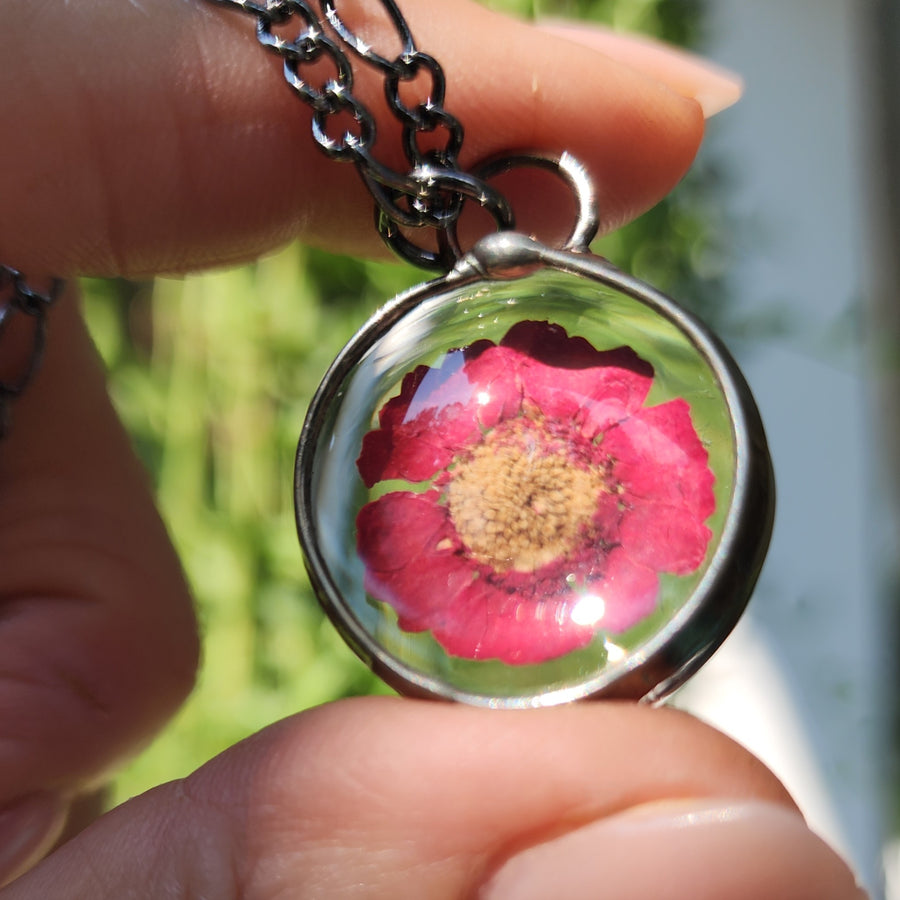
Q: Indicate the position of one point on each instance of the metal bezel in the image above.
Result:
(697, 630)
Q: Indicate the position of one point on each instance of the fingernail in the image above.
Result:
(713, 87)
(28, 828)
(684, 849)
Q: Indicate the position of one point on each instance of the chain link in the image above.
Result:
(432, 192)
(21, 306)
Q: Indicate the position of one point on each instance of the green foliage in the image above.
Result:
(676, 21)
(212, 375)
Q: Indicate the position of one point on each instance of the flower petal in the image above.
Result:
(412, 453)
(567, 379)
(665, 538)
(392, 531)
(658, 455)
(666, 487)
(488, 621)
(410, 551)
(628, 592)
(494, 375)
(412, 559)
(424, 426)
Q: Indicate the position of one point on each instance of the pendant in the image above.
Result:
(533, 480)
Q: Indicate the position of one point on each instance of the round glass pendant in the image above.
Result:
(531, 481)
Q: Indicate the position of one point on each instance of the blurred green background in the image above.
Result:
(212, 374)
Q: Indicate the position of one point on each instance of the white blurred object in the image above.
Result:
(799, 682)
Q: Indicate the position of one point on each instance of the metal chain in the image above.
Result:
(432, 192)
(20, 303)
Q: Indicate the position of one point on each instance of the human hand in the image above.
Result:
(144, 156)
(408, 799)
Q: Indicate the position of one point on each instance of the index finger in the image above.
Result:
(145, 137)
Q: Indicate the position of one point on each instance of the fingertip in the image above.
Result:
(712, 86)
(680, 850)
(636, 136)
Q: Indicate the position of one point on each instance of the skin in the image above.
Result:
(139, 143)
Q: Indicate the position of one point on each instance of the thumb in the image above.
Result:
(397, 798)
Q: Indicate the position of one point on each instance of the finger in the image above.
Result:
(98, 644)
(713, 87)
(397, 799)
(156, 137)
(739, 849)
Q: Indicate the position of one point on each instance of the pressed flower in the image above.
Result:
(544, 497)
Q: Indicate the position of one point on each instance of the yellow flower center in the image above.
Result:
(523, 498)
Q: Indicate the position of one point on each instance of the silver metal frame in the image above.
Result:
(704, 621)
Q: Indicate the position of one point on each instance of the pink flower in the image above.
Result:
(548, 497)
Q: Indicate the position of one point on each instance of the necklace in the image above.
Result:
(531, 480)
(23, 324)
